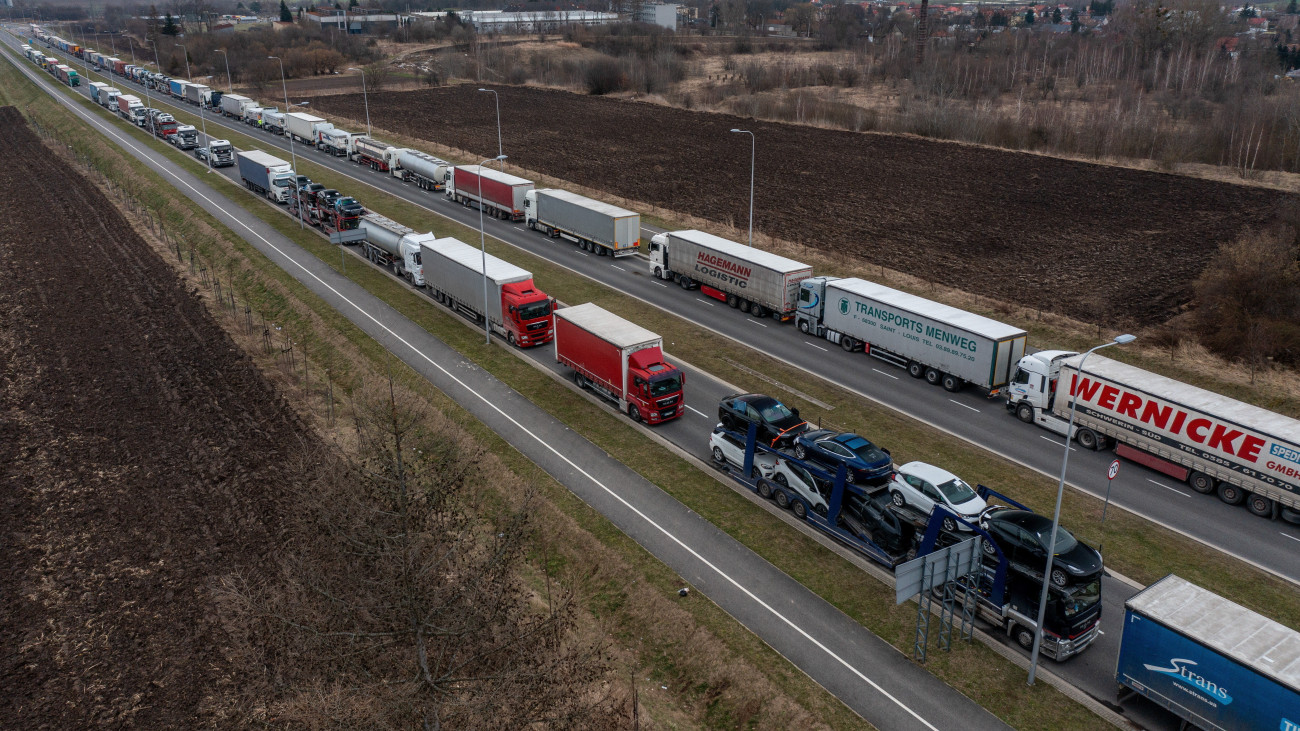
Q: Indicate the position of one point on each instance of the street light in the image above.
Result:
(202, 119)
(154, 43)
(230, 87)
(753, 148)
(1056, 517)
(364, 96)
(292, 155)
(500, 152)
(131, 44)
(482, 243)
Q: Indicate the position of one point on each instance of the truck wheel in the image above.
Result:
(1025, 413)
(659, 273)
(848, 344)
(1023, 636)
(758, 310)
(634, 412)
(915, 370)
(782, 499)
(1087, 439)
(1201, 482)
(1231, 494)
(744, 306)
(932, 376)
(1259, 505)
(803, 327)
(765, 489)
(800, 510)
(952, 383)
(579, 379)
(733, 301)
(510, 338)
(685, 282)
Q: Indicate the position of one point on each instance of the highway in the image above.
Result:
(867, 674)
(1093, 672)
(1270, 545)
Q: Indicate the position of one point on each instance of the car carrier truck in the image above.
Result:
(500, 195)
(390, 244)
(621, 361)
(593, 225)
(1211, 662)
(421, 168)
(944, 345)
(1215, 444)
(262, 173)
(752, 280)
(515, 309)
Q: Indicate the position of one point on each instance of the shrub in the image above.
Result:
(604, 77)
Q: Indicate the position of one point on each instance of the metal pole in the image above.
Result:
(230, 86)
(293, 156)
(157, 63)
(1056, 516)
(500, 151)
(482, 242)
(202, 120)
(364, 97)
(753, 149)
(146, 84)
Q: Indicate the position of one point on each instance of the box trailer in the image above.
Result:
(130, 109)
(945, 345)
(425, 170)
(119, 67)
(95, 88)
(621, 361)
(265, 174)
(108, 97)
(1211, 662)
(755, 281)
(1214, 443)
(196, 94)
(501, 195)
(390, 244)
(334, 141)
(234, 105)
(303, 127)
(594, 225)
(176, 87)
(515, 308)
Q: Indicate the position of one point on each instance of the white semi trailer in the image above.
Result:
(596, 226)
(752, 280)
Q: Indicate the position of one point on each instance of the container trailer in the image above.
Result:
(752, 280)
(264, 174)
(515, 309)
(95, 88)
(621, 361)
(500, 195)
(303, 127)
(593, 225)
(944, 345)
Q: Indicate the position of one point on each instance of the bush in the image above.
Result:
(1249, 299)
(604, 77)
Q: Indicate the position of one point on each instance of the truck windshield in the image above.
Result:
(283, 182)
(534, 310)
(1080, 598)
(666, 385)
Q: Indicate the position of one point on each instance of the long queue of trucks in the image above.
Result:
(1217, 445)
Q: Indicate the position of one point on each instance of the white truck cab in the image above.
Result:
(1032, 388)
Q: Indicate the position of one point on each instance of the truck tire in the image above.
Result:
(579, 379)
(1025, 413)
(1231, 494)
(848, 344)
(803, 327)
(634, 412)
(782, 499)
(758, 310)
(800, 510)
(1259, 505)
(932, 376)
(765, 489)
(744, 306)
(659, 273)
(915, 370)
(685, 282)
(1023, 636)
(1201, 482)
(733, 301)
(952, 383)
(1087, 439)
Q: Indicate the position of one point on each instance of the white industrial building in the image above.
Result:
(661, 14)
(500, 21)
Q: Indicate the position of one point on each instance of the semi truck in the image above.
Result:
(234, 105)
(754, 281)
(946, 346)
(264, 174)
(334, 141)
(119, 67)
(273, 121)
(1215, 444)
(421, 168)
(500, 195)
(303, 127)
(515, 308)
(621, 361)
(1209, 661)
(108, 97)
(221, 153)
(197, 94)
(390, 244)
(68, 75)
(593, 225)
(186, 137)
(130, 109)
(95, 88)
(372, 153)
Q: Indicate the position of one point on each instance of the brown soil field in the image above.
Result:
(1104, 244)
(142, 459)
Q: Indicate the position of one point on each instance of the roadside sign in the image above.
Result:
(1114, 470)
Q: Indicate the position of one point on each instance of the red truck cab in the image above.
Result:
(527, 313)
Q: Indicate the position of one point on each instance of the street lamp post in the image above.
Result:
(500, 151)
(147, 98)
(1056, 517)
(157, 63)
(364, 96)
(230, 86)
(482, 242)
(753, 149)
(292, 155)
(202, 119)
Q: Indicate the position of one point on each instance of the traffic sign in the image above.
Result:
(1114, 470)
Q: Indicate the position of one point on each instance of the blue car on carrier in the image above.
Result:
(867, 464)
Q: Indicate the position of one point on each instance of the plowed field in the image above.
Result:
(1104, 244)
(141, 460)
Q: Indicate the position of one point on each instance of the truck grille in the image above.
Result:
(666, 402)
(537, 326)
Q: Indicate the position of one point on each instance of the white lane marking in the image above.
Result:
(1172, 489)
(701, 299)
(1043, 436)
(643, 228)
(890, 375)
(817, 347)
(756, 322)
(772, 610)
(1288, 535)
(701, 413)
(621, 269)
(661, 284)
(964, 406)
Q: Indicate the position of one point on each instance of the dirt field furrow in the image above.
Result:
(1104, 244)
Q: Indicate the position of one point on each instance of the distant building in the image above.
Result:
(664, 15)
(357, 21)
(540, 21)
